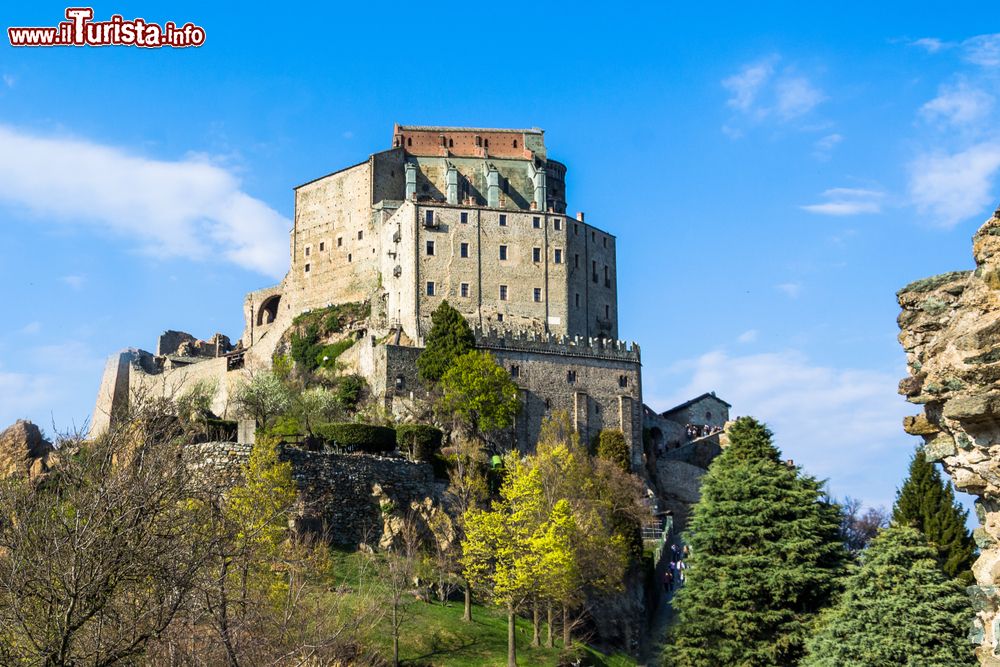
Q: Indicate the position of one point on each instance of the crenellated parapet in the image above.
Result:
(546, 343)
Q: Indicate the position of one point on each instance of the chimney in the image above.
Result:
(579, 216)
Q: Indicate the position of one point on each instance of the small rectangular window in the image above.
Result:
(340, 241)
(604, 240)
(464, 289)
(558, 256)
(430, 288)
(503, 292)
(607, 312)
(577, 299)
(536, 254)
(322, 246)
(538, 294)
(463, 250)
(557, 224)
(576, 261)
(503, 220)
(536, 222)
(571, 376)
(430, 247)
(464, 217)
(307, 268)
(515, 371)
(499, 317)
(361, 234)
(429, 217)
(593, 269)
(576, 229)
(622, 380)
(503, 252)
(308, 250)
(348, 257)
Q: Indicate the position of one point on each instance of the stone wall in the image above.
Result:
(950, 329)
(343, 497)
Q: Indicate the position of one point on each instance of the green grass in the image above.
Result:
(435, 634)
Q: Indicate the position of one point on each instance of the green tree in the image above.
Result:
(449, 338)
(766, 556)
(898, 608)
(927, 503)
(497, 554)
(262, 398)
(611, 446)
(479, 394)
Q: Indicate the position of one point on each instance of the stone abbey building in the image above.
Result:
(474, 216)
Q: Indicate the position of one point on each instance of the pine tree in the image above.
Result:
(898, 608)
(766, 556)
(449, 338)
(927, 503)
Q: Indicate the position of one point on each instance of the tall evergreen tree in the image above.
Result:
(898, 608)
(449, 338)
(765, 558)
(927, 503)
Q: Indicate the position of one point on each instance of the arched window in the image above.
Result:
(515, 143)
(451, 143)
(409, 141)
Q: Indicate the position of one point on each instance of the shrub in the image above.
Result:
(611, 446)
(305, 347)
(363, 437)
(422, 441)
(349, 390)
(327, 355)
(285, 427)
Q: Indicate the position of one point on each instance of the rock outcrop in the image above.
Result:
(23, 450)
(950, 329)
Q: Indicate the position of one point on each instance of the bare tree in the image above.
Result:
(858, 528)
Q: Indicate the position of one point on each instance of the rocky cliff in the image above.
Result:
(950, 329)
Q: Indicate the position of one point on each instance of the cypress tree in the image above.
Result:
(449, 338)
(898, 608)
(927, 503)
(765, 558)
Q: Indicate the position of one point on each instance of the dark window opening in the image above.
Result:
(400, 382)
(308, 250)
(536, 254)
(536, 222)
(361, 234)
(429, 217)
(464, 217)
(538, 294)
(430, 288)
(558, 256)
(268, 310)
(463, 250)
(515, 143)
(515, 371)
(499, 317)
(348, 257)
(451, 143)
(503, 220)
(465, 289)
(430, 247)
(622, 380)
(307, 268)
(503, 292)
(503, 252)
(607, 312)
(570, 376)
(322, 246)
(409, 141)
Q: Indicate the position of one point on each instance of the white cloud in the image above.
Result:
(748, 336)
(791, 290)
(796, 96)
(745, 86)
(958, 105)
(825, 145)
(759, 91)
(982, 50)
(9, 80)
(76, 282)
(31, 328)
(185, 208)
(931, 44)
(839, 423)
(847, 201)
(954, 187)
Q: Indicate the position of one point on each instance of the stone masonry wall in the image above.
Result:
(339, 494)
(950, 329)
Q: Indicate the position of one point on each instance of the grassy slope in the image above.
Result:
(434, 634)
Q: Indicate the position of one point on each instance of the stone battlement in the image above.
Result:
(577, 346)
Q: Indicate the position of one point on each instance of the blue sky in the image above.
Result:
(774, 173)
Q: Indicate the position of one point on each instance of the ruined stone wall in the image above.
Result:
(339, 495)
(950, 329)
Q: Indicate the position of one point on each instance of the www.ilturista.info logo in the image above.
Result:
(81, 30)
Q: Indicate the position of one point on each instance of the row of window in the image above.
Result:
(536, 223)
(463, 291)
(340, 243)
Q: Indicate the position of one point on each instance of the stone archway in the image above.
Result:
(268, 310)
